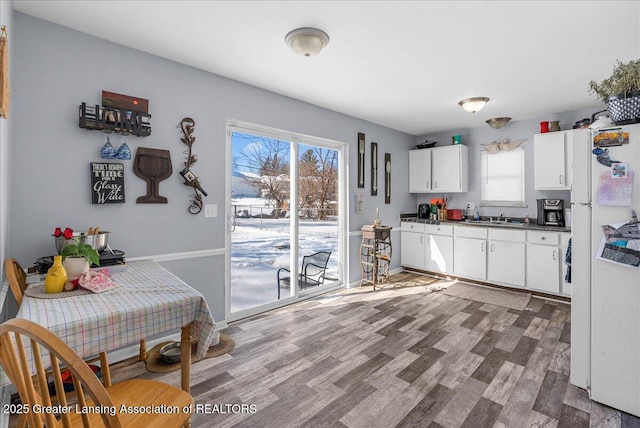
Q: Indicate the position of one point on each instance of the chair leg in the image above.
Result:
(143, 350)
(104, 368)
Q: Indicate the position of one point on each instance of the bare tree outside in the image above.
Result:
(268, 160)
(318, 182)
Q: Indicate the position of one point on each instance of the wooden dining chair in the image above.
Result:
(18, 283)
(162, 404)
(17, 279)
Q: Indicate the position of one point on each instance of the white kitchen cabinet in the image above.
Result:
(439, 248)
(470, 252)
(544, 261)
(439, 169)
(420, 171)
(412, 245)
(552, 161)
(506, 257)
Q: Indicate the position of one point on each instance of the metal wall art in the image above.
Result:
(387, 178)
(374, 169)
(187, 125)
(361, 159)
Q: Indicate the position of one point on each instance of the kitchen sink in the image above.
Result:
(505, 223)
(498, 223)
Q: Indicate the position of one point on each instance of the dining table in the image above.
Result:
(148, 301)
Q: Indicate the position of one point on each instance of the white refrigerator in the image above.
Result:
(605, 280)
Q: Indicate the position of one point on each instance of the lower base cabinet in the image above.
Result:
(543, 268)
(531, 259)
(545, 261)
(412, 245)
(439, 248)
(470, 252)
(506, 257)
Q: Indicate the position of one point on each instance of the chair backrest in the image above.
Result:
(17, 279)
(15, 356)
(315, 265)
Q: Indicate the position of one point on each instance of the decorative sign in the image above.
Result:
(107, 183)
(125, 102)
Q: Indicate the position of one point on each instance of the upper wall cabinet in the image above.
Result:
(439, 169)
(552, 161)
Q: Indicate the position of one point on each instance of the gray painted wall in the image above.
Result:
(57, 68)
(513, 131)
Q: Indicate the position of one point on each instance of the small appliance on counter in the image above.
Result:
(455, 214)
(423, 211)
(551, 212)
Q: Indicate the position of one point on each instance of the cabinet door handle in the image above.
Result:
(554, 254)
(421, 239)
(560, 178)
(482, 247)
(492, 247)
(428, 184)
(435, 184)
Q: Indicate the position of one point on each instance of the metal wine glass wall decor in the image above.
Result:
(187, 126)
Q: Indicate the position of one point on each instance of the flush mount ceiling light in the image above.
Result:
(474, 104)
(307, 41)
(498, 122)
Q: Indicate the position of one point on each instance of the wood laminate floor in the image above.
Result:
(398, 357)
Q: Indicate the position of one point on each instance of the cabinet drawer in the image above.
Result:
(507, 235)
(438, 229)
(564, 239)
(545, 238)
(407, 226)
(471, 232)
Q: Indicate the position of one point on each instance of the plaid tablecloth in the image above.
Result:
(150, 301)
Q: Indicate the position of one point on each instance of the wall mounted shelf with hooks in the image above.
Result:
(110, 119)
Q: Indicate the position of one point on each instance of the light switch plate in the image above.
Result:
(211, 210)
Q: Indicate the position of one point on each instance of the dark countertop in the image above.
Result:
(485, 223)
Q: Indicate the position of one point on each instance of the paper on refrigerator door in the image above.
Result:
(616, 191)
(621, 244)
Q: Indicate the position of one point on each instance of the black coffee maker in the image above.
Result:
(551, 212)
(423, 211)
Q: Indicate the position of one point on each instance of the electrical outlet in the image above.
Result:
(211, 210)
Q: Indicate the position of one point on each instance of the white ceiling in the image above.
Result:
(402, 64)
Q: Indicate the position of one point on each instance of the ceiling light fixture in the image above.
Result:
(307, 41)
(474, 104)
(498, 122)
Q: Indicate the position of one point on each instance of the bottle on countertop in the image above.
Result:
(476, 214)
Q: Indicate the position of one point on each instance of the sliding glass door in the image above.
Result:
(284, 207)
